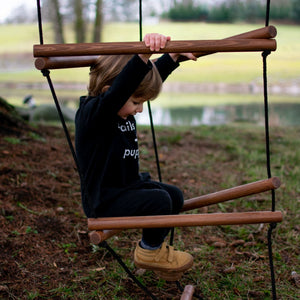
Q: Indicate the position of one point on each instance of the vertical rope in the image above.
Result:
(267, 130)
(46, 73)
(148, 102)
(140, 20)
(268, 165)
(268, 160)
(38, 5)
(266, 110)
(151, 118)
(267, 19)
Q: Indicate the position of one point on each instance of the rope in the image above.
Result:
(148, 102)
(46, 73)
(272, 226)
(38, 5)
(268, 166)
(267, 19)
(267, 130)
(151, 118)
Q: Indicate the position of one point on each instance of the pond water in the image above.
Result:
(281, 114)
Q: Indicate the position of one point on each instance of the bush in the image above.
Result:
(281, 11)
(295, 14)
(181, 12)
(236, 10)
(225, 12)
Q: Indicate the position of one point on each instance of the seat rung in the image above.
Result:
(185, 220)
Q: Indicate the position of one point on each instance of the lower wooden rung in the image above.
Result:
(185, 220)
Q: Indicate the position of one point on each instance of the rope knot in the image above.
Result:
(266, 53)
(45, 72)
(273, 226)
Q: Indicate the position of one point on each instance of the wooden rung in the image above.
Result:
(112, 48)
(188, 292)
(260, 186)
(232, 193)
(184, 220)
(266, 32)
(97, 237)
(42, 63)
(85, 61)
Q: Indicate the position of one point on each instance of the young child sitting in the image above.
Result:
(108, 153)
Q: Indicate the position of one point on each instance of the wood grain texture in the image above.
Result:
(113, 48)
(85, 61)
(185, 220)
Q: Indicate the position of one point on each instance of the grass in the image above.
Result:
(239, 271)
(245, 145)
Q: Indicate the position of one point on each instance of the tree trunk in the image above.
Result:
(98, 24)
(57, 21)
(79, 24)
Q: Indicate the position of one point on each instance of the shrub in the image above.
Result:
(182, 12)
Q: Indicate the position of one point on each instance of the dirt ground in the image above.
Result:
(44, 237)
(44, 242)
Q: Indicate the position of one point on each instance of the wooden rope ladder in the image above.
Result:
(56, 56)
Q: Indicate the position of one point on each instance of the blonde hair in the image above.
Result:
(107, 68)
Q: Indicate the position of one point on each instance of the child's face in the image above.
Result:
(131, 107)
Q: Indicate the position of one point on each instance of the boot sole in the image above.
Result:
(165, 270)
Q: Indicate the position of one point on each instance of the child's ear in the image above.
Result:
(105, 88)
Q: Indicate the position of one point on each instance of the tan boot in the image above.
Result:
(165, 261)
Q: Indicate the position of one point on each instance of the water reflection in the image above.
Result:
(283, 114)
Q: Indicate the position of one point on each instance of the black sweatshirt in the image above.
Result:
(106, 145)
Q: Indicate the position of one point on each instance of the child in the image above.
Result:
(108, 154)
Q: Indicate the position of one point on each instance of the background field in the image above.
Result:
(226, 68)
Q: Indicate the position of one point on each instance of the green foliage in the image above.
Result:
(296, 11)
(172, 139)
(190, 12)
(36, 136)
(33, 295)
(234, 10)
(282, 10)
(12, 140)
(29, 230)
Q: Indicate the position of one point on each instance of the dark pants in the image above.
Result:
(151, 198)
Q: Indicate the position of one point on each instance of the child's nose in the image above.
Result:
(140, 108)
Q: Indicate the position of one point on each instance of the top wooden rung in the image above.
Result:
(113, 48)
(84, 60)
